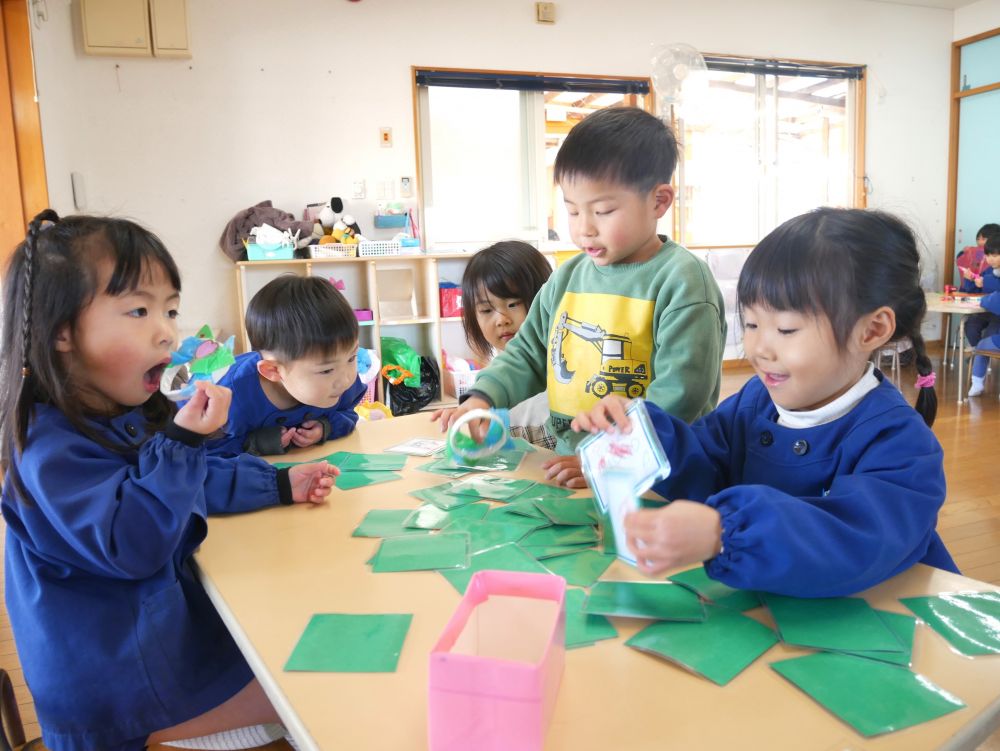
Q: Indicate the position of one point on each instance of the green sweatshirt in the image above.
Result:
(654, 330)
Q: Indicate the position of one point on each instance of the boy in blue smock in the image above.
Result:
(300, 385)
(983, 329)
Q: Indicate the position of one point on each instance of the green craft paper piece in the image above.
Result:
(719, 648)
(580, 569)
(583, 629)
(569, 511)
(337, 458)
(559, 535)
(352, 480)
(870, 696)
(512, 516)
(444, 467)
(422, 553)
(344, 643)
(660, 600)
(501, 461)
(542, 492)
(903, 628)
(220, 358)
(385, 523)
(842, 624)
(507, 557)
(486, 534)
(552, 551)
(697, 580)
(373, 462)
(526, 508)
(969, 621)
(443, 500)
(491, 486)
(429, 516)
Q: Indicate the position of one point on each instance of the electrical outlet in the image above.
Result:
(545, 12)
(385, 137)
(358, 189)
(405, 187)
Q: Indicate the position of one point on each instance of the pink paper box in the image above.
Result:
(495, 671)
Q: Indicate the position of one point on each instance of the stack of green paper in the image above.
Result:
(568, 511)
(440, 497)
(719, 648)
(658, 600)
(579, 569)
(362, 470)
(836, 624)
(697, 580)
(560, 536)
(343, 643)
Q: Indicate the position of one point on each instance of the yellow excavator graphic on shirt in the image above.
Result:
(618, 371)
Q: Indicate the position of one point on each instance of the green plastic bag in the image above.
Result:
(397, 353)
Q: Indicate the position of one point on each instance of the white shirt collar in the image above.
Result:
(835, 409)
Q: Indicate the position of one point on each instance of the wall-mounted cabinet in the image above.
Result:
(135, 28)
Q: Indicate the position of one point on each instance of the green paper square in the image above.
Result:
(719, 648)
(501, 461)
(510, 515)
(559, 535)
(659, 600)
(903, 628)
(355, 479)
(569, 511)
(346, 643)
(373, 462)
(697, 580)
(443, 467)
(872, 697)
(542, 492)
(843, 624)
(507, 557)
(969, 621)
(545, 552)
(583, 629)
(429, 516)
(580, 569)
(491, 486)
(385, 523)
(422, 553)
(487, 534)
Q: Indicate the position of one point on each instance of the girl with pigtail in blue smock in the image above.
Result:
(106, 492)
(817, 479)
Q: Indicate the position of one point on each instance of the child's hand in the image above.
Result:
(312, 482)
(206, 411)
(286, 437)
(968, 273)
(565, 470)
(477, 428)
(979, 282)
(307, 433)
(608, 414)
(679, 534)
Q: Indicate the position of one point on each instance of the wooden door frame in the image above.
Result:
(957, 95)
(19, 102)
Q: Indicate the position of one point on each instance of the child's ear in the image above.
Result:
(663, 195)
(269, 369)
(64, 340)
(877, 328)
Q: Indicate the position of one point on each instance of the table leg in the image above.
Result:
(961, 357)
(946, 358)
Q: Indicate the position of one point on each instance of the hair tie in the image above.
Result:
(926, 381)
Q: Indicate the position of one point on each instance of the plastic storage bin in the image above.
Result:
(333, 250)
(379, 248)
(282, 253)
(495, 671)
(458, 382)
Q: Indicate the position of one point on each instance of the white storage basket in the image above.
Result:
(333, 250)
(378, 248)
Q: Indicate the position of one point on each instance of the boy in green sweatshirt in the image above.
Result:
(634, 314)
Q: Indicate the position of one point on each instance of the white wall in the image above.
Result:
(284, 100)
(976, 18)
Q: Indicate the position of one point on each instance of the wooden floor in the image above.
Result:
(969, 522)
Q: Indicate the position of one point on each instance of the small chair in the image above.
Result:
(893, 350)
(992, 354)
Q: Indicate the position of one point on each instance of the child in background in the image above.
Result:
(972, 261)
(983, 329)
(634, 313)
(498, 287)
(105, 496)
(300, 385)
(817, 479)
